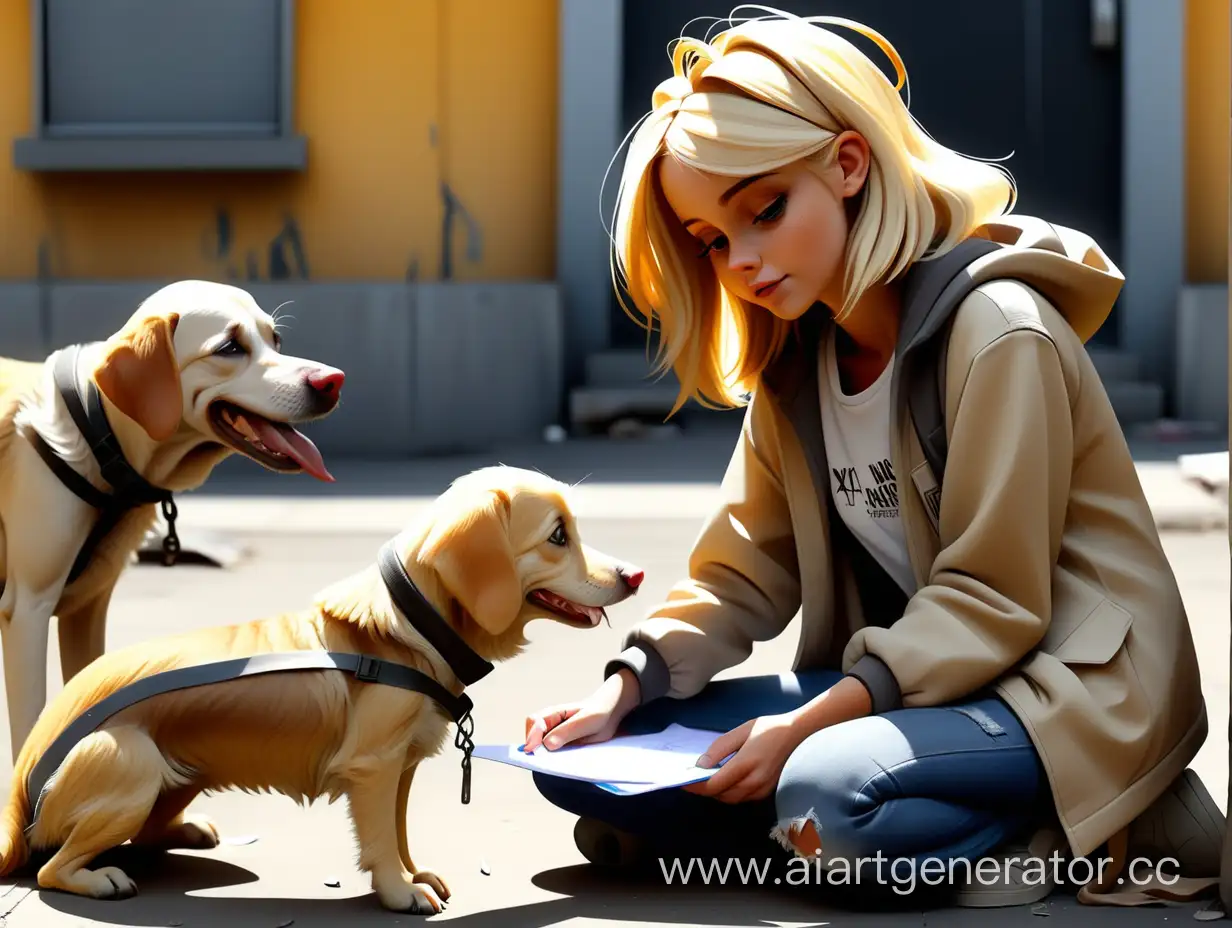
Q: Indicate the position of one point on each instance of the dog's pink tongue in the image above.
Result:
(280, 437)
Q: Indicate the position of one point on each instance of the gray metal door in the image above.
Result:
(1036, 79)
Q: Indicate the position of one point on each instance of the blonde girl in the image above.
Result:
(988, 656)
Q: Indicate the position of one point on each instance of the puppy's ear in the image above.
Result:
(470, 552)
(138, 373)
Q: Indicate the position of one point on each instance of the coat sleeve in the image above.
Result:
(743, 581)
(987, 602)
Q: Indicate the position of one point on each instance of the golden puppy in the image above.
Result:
(499, 548)
(195, 375)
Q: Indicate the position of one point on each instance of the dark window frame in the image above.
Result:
(156, 146)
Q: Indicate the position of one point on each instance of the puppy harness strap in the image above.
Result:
(365, 667)
(130, 488)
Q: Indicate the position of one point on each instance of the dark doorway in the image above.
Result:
(1018, 78)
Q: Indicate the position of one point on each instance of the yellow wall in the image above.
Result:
(373, 79)
(1207, 78)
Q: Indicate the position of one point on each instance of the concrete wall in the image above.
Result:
(1202, 353)
(1153, 183)
(431, 368)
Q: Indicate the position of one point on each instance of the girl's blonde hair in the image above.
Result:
(778, 89)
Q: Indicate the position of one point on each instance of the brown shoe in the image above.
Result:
(1183, 827)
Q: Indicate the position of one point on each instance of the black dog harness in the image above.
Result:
(131, 490)
(465, 663)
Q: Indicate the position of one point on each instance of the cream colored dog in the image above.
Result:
(194, 376)
(499, 548)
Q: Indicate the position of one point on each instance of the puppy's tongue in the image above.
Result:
(280, 437)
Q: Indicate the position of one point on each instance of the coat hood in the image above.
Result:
(1066, 266)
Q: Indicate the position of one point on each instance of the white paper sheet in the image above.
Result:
(625, 764)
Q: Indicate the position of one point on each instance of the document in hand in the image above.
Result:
(625, 765)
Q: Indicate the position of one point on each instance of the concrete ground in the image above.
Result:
(509, 856)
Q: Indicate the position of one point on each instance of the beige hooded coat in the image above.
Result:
(1042, 576)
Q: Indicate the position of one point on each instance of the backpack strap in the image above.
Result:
(933, 291)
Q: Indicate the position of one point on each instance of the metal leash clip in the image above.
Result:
(466, 728)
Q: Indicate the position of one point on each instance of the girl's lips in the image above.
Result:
(767, 289)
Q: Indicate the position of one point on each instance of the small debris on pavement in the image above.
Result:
(483, 868)
(240, 839)
(333, 881)
(287, 923)
(174, 924)
(1040, 908)
(1211, 912)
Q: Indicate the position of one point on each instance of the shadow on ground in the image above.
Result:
(583, 893)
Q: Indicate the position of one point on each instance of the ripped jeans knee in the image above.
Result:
(908, 785)
(799, 834)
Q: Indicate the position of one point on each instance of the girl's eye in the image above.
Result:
(717, 244)
(774, 210)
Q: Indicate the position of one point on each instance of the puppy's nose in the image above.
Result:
(327, 380)
(632, 576)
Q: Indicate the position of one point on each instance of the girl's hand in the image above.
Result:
(587, 721)
(761, 746)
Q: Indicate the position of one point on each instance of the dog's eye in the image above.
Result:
(559, 537)
(230, 349)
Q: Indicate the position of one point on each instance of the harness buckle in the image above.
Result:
(368, 670)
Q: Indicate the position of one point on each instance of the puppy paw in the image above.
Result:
(431, 879)
(399, 895)
(103, 883)
(194, 832)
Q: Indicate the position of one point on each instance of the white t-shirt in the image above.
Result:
(857, 437)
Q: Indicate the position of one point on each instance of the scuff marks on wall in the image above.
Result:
(474, 235)
(286, 259)
(287, 240)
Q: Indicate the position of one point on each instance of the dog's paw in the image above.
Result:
(194, 832)
(103, 883)
(403, 896)
(202, 832)
(431, 879)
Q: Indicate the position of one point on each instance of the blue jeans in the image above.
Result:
(948, 782)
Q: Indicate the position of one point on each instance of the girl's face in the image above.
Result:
(777, 240)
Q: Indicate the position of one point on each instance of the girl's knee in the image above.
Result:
(823, 797)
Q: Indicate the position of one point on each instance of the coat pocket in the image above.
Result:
(1087, 627)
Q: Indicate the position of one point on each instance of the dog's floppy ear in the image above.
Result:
(138, 373)
(469, 550)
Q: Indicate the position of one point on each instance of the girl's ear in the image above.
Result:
(852, 157)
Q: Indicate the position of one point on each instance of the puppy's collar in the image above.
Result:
(130, 489)
(466, 665)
